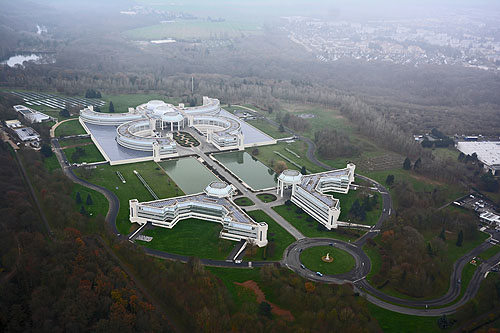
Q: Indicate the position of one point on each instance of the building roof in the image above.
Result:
(219, 189)
(488, 152)
(290, 176)
(27, 134)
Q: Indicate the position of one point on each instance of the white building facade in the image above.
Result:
(214, 204)
(309, 192)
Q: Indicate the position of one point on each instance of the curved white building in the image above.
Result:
(214, 205)
(149, 126)
(309, 192)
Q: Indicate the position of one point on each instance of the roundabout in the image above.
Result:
(304, 257)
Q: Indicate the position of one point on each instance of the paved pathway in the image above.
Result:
(292, 254)
(258, 203)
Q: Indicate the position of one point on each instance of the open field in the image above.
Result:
(190, 30)
(267, 155)
(99, 202)
(92, 154)
(229, 276)
(343, 262)
(105, 175)
(51, 163)
(278, 238)
(71, 127)
(190, 237)
(122, 102)
(393, 322)
(267, 128)
(310, 227)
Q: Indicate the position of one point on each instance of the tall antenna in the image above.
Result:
(192, 84)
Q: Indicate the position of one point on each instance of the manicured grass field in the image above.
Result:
(99, 202)
(51, 163)
(122, 102)
(265, 197)
(393, 322)
(343, 262)
(105, 175)
(267, 154)
(92, 154)
(278, 238)
(243, 202)
(71, 127)
(267, 128)
(347, 200)
(191, 237)
(74, 141)
(311, 228)
(194, 30)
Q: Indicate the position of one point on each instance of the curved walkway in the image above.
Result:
(291, 256)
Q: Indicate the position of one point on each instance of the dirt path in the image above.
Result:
(261, 297)
(77, 145)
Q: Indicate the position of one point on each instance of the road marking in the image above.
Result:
(355, 281)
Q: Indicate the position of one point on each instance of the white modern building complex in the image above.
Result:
(31, 115)
(309, 192)
(148, 129)
(214, 204)
(488, 152)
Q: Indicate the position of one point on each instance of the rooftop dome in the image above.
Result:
(172, 117)
(219, 189)
(151, 105)
(290, 176)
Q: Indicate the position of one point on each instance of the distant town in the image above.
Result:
(457, 39)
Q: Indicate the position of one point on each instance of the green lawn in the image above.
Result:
(311, 228)
(194, 30)
(419, 183)
(343, 262)
(74, 141)
(347, 200)
(265, 197)
(105, 175)
(375, 260)
(71, 127)
(229, 276)
(92, 154)
(397, 322)
(99, 204)
(267, 154)
(485, 255)
(51, 163)
(267, 128)
(278, 238)
(243, 201)
(191, 237)
(124, 101)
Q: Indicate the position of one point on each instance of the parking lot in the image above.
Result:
(476, 202)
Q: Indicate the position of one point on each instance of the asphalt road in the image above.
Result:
(291, 256)
(114, 203)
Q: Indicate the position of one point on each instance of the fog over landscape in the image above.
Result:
(250, 166)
